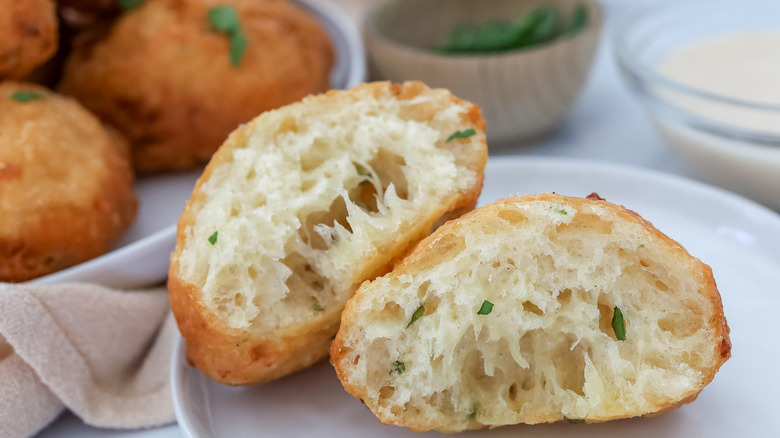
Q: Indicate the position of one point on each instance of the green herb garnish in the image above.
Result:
(547, 19)
(225, 19)
(129, 5)
(562, 211)
(578, 21)
(398, 368)
(362, 171)
(619, 325)
(536, 27)
(486, 308)
(461, 134)
(25, 96)
(317, 307)
(416, 315)
(213, 238)
(574, 420)
(473, 412)
(238, 43)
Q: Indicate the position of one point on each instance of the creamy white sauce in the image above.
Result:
(742, 66)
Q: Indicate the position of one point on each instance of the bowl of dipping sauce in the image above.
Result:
(523, 61)
(708, 74)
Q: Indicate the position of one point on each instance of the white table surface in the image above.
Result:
(606, 123)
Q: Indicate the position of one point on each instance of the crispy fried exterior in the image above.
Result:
(243, 357)
(66, 190)
(163, 75)
(28, 36)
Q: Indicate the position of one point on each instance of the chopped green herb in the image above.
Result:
(317, 307)
(129, 5)
(416, 315)
(398, 367)
(486, 308)
(578, 21)
(619, 325)
(562, 211)
(362, 171)
(473, 412)
(225, 19)
(213, 238)
(25, 96)
(573, 420)
(536, 27)
(641, 245)
(238, 43)
(461, 134)
(546, 24)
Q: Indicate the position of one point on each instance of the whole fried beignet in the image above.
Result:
(66, 185)
(164, 75)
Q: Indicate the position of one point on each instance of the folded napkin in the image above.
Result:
(102, 353)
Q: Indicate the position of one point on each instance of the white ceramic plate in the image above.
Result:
(738, 238)
(141, 257)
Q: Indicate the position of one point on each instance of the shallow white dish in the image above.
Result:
(738, 238)
(141, 257)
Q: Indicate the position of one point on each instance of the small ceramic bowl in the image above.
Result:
(726, 141)
(523, 93)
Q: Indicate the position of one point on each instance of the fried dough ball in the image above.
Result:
(66, 191)
(164, 75)
(28, 35)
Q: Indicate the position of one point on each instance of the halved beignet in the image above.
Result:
(529, 310)
(303, 204)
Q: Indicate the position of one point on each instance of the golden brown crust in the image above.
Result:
(29, 36)
(164, 78)
(66, 191)
(236, 357)
(436, 247)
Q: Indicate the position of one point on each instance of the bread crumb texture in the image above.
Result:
(554, 268)
(310, 200)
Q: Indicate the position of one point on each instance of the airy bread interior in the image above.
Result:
(555, 269)
(309, 200)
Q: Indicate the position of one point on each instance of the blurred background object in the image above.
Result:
(176, 78)
(28, 36)
(708, 78)
(66, 184)
(523, 62)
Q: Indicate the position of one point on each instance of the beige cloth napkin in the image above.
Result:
(102, 353)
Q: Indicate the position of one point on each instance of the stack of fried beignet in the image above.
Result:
(166, 84)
